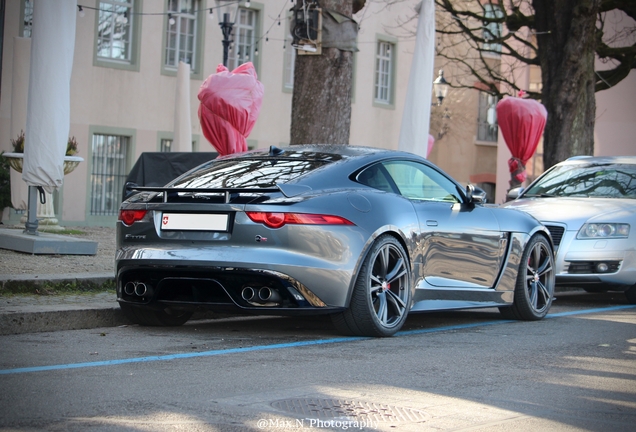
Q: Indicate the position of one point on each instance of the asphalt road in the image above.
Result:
(460, 371)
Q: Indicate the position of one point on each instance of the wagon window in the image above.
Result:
(421, 182)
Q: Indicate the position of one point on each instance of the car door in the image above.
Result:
(459, 244)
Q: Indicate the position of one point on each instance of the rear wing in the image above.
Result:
(227, 193)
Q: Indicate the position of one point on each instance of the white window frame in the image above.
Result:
(165, 145)
(115, 14)
(487, 126)
(186, 26)
(109, 166)
(244, 36)
(384, 72)
(27, 18)
(289, 61)
(492, 30)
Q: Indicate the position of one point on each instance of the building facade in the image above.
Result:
(125, 76)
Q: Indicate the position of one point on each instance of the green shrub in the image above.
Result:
(5, 183)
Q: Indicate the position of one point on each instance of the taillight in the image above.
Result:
(129, 217)
(277, 219)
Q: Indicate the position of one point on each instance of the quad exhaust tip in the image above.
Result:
(139, 289)
(260, 296)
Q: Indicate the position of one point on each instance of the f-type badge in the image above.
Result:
(260, 238)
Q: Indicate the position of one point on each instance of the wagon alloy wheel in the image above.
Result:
(381, 297)
(535, 282)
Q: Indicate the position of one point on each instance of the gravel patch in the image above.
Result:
(19, 263)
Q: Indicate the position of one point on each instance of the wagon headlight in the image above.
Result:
(603, 230)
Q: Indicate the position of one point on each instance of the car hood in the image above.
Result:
(576, 211)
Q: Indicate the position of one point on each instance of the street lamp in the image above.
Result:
(440, 87)
(228, 10)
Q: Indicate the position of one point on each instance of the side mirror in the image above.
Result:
(475, 195)
(514, 193)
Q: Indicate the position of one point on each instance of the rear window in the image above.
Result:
(248, 173)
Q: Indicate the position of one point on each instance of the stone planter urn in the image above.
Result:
(16, 159)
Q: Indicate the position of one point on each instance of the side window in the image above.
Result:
(420, 182)
(376, 177)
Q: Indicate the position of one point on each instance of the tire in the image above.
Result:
(534, 289)
(630, 293)
(156, 318)
(381, 295)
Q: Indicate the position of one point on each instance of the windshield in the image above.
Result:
(590, 180)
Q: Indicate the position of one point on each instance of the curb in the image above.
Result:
(20, 314)
(29, 281)
(48, 321)
(33, 317)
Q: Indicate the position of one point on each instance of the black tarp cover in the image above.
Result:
(159, 168)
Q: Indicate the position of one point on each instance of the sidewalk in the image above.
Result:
(40, 313)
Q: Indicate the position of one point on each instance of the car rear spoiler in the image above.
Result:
(287, 190)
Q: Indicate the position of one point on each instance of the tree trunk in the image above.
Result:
(321, 103)
(566, 46)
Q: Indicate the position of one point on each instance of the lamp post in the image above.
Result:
(440, 87)
(228, 10)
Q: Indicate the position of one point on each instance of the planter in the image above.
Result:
(16, 159)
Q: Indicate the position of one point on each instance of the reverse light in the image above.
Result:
(129, 217)
(278, 219)
(603, 230)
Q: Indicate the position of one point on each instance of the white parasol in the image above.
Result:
(19, 94)
(182, 116)
(48, 107)
(417, 107)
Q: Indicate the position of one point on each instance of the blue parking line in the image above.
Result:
(285, 345)
(589, 311)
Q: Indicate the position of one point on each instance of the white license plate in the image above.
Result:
(194, 222)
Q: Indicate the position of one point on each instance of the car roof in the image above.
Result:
(584, 160)
(340, 160)
(319, 151)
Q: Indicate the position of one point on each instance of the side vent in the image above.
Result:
(557, 234)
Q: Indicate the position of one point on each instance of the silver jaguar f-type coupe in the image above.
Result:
(364, 234)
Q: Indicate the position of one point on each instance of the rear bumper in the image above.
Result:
(194, 285)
